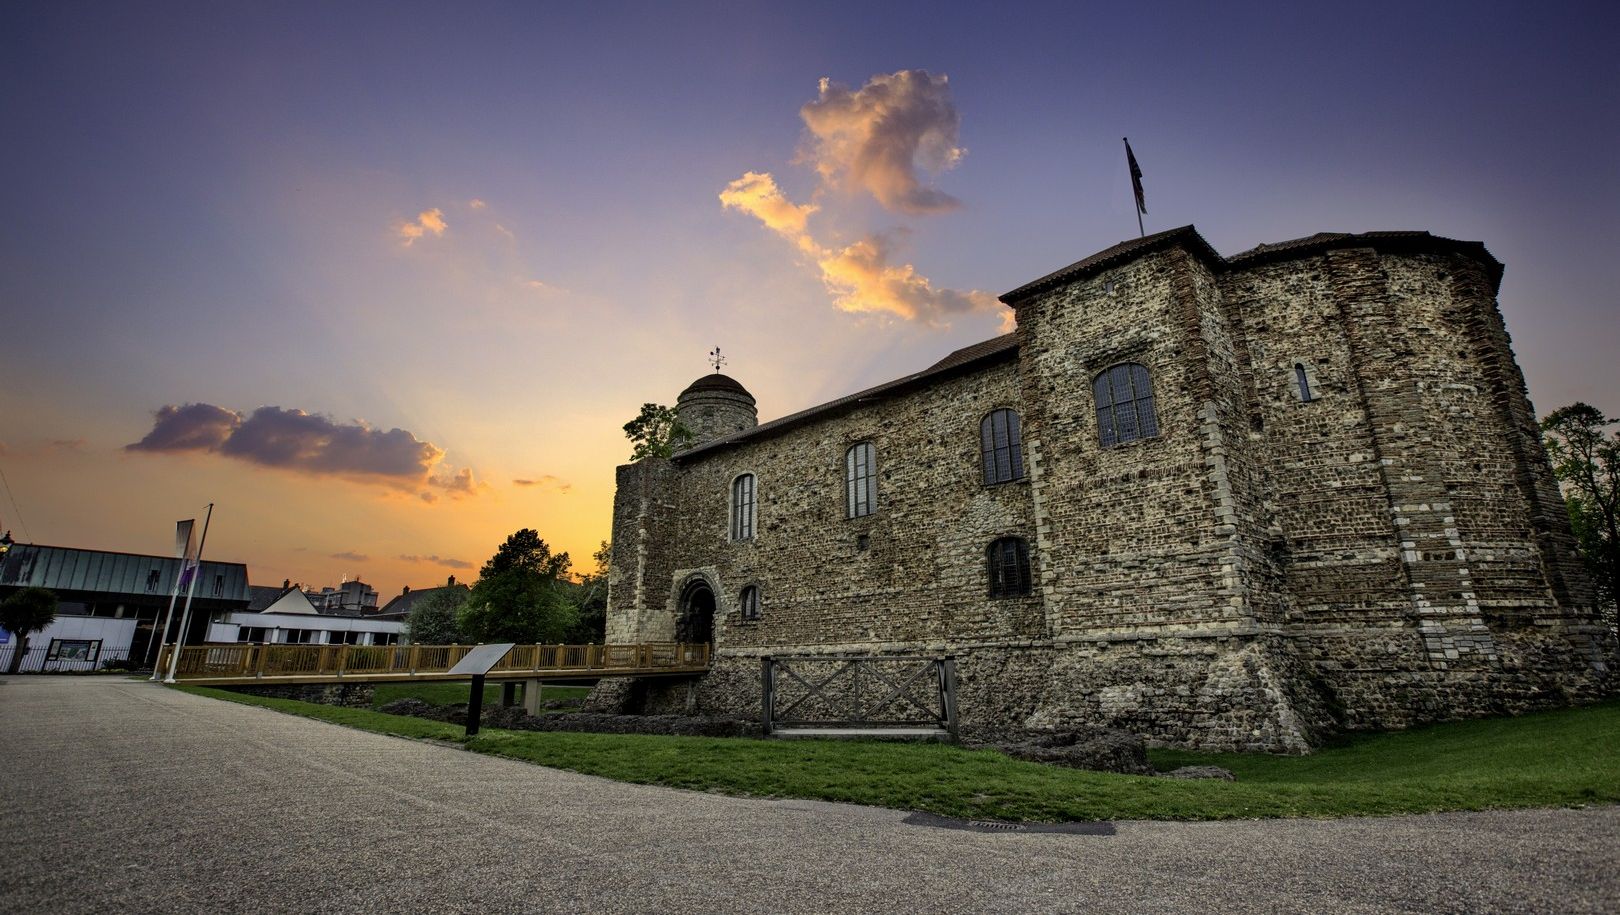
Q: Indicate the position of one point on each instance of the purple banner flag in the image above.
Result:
(185, 548)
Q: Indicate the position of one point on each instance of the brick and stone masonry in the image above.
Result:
(1345, 520)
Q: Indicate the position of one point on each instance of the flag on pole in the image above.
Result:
(1136, 178)
(185, 548)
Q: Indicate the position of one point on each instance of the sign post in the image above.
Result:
(477, 663)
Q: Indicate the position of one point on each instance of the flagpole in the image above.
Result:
(163, 634)
(174, 594)
(185, 615)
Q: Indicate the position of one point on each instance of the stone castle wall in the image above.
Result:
(1263, 572)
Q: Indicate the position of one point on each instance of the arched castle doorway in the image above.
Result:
(695, 625)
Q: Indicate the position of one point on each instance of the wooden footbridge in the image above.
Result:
(248, 664)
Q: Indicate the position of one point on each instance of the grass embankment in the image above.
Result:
(451, 693)
(1560, 758)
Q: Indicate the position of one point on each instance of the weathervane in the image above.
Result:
(716, 360)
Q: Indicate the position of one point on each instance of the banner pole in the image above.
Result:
(185, 616)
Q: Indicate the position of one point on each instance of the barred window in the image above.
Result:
(1001, 447)
(860, 480)
(1124, 396)
(1302, 379)
(742, 507)
(748, 601)
(1008, 560)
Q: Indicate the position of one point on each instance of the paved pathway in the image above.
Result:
(120, 796)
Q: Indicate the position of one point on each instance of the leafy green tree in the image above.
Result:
(589, 596)
(24, 613)
(520, 595)
(656, 432)
(435, 619)
(1587, 462)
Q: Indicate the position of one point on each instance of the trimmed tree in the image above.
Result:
(24, 613)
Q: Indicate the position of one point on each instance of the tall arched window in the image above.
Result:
(1124, 396)
(1001, 447)
(860, 480)
(748, 602)
(1008, 560)
(742, 507)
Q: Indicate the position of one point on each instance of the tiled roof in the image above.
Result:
(1124, 251)
(968, 357)
(262, 596)
(402, 604)
(1402, 241)
(714, 381)
(1006, 346)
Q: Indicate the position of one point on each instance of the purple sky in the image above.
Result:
(210, 204)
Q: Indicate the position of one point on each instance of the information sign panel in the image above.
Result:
(478, 661)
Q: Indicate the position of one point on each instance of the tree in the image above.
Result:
(24, 613)
(435, 619)
(1587, 462)
(589, 596)
(656, 432)
(520, 595)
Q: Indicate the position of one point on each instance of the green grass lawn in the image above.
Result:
(453, 693)
(1561, 758)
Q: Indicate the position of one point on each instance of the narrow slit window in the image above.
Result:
(1303, 380)
(748, 601)
(860, 480)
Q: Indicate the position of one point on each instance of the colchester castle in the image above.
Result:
(1223, 502)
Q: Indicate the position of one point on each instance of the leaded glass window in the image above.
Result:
(1001, 447)
(860, 480)
(1008, 560)
(1124, 395)
(742, 507)
(748, 602)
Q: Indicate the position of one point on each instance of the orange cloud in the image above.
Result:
(860, 276)
(426, 222)
(875, 138)
(756, 193)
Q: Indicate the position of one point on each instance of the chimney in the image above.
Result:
(451, 583)
(286, 583)
(407, 590)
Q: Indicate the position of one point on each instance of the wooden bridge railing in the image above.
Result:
(405, 662)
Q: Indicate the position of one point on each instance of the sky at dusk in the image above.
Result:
(384, 281)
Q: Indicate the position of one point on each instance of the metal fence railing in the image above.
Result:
(268, 662)
(43, 659)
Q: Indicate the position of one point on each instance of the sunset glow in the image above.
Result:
(385, 281)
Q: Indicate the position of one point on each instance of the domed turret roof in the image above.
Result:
(715, 381)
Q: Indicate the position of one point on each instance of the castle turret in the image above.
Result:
(715, 405)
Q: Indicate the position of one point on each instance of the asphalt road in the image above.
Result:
(120, 796)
